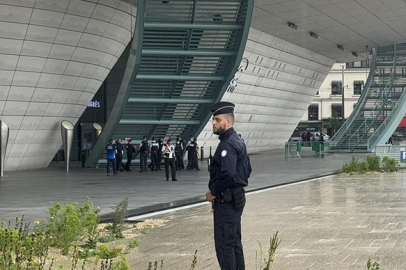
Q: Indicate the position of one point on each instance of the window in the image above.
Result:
(336, 87)
(358, 87)
(336, 110)
(357, 64)
(313, 112)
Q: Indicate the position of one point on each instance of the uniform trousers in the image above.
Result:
(170, 162)
(179, 160)
(159, 160)
(154, 160)
(227, 236)
(119, 161)
(128, 164)
(143, 161)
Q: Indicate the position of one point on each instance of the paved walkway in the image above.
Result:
(333, 223)
(31, 193)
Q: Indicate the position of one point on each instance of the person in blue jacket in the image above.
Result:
(111, 151)
(229, 173)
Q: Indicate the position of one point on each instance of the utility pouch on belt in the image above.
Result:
(239, 198)
(227, 195)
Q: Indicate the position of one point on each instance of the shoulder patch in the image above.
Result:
(224, 153)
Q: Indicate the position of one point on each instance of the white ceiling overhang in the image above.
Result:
(353, 24)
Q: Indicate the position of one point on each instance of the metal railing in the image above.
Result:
(372, 141)
(372, 116)
(361, 102)
(392, 151)
(313, 149)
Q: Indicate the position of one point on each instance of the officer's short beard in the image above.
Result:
(219, 131)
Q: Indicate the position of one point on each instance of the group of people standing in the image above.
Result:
(163, 148)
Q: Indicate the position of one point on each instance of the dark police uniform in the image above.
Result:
(130, 153)
(179, 154)
(154, 155)
(229, 173)
(191, 154)
(195, 163)
(160, 144)
(143, 155)
(119, 155)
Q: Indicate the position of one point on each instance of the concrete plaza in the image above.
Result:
(337, 222)
(31, 193)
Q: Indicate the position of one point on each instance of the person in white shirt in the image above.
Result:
(168, 152)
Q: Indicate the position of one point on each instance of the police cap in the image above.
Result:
(222, 107)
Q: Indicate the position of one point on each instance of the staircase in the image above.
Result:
(379, 109)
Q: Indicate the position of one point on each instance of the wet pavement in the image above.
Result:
(31, 193)
(333, 223)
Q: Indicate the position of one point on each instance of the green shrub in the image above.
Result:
(372, 265)
(120, 214)
(20, 249)
(374, 163)
(133, 243)
(389, 164)
(106, 238)
(71, 223)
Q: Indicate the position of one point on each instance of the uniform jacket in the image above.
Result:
(230, 166)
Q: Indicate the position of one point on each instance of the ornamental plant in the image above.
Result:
(71, 223)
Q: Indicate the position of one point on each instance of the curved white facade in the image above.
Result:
(273, 93)
(54, 55)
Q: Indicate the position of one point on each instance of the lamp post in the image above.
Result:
(342, 95)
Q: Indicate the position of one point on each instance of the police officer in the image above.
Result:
(154, 154)
(130, 153)
(161, 143)
(179, 153)
(119, 155)
(144, 150)
(195, 163)
(184, 148)
(229, 175)
(168, 151)
(190, 148)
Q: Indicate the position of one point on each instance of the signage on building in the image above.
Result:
(243, 67)
(402, 154)
(94, 104)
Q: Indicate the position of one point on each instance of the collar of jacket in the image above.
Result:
(226, 134)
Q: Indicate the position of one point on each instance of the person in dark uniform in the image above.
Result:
(130, 153)
(160, 144)
(144, 150)
(195, 164)
(229, 173)
(184, 148)
(168, 152)
(154, 154)
(191, 150)
(119, 155)
(111, 153)
(179, 153)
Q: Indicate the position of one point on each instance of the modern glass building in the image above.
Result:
(155, 67)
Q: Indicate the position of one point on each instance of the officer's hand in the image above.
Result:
(209, 196)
